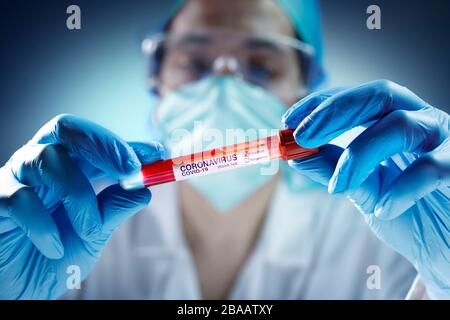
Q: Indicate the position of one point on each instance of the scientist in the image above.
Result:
(240, 234)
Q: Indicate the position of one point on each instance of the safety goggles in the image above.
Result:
(264, 60)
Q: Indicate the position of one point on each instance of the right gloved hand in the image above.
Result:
(50, 216)
(396, 172)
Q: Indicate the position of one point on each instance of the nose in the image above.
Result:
(224, 65)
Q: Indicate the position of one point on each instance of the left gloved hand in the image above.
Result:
(53, 226)
(397, 171)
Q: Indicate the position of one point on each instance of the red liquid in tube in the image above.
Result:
(280, 146)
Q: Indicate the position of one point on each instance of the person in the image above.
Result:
(239, 234)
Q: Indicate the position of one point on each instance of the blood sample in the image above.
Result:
(280, 146)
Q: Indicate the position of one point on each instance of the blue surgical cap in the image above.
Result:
(305, 17)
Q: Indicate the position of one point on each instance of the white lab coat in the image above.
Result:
(311, 246)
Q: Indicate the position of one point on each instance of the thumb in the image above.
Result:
(116, 205)
(148, 152)
(319, 167)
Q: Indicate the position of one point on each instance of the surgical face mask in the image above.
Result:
(211, 113)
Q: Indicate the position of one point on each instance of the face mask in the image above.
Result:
(219, 103)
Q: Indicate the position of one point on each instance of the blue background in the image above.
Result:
(99, 72)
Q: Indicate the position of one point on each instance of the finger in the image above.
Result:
(397, 233)
(87, 140)
(148, 152)
(354, 107)
(8, 186)
(318, 167)
(7, 224)
(292, 118)
(399, 131)
(26, 210)
(424, 175)
(117, 205)
(50, 165)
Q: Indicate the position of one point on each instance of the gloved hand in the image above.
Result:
(50, 217)
(397, 171)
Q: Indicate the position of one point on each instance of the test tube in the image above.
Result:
(279, 146)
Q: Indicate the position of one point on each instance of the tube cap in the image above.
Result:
(289, 149)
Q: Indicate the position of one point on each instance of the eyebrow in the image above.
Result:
(252, 43)
(196, 39)
(263, 45)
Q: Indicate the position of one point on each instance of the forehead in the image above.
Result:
(252, 16)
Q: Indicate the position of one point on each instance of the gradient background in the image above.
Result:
(99, 73)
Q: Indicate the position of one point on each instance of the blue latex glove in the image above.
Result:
(397, 171)
(50, 217)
